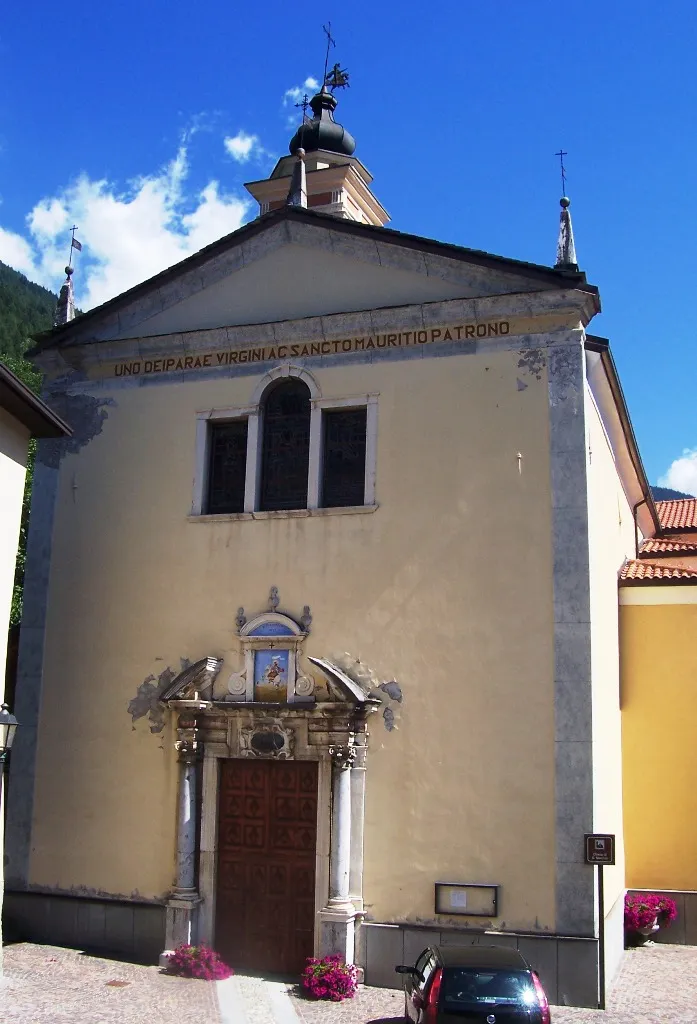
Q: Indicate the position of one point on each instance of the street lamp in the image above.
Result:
(8, 727)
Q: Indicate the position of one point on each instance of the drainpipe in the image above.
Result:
(635, 508)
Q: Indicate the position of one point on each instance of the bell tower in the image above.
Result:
(335, 181)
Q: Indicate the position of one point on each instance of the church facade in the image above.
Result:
(320, 649)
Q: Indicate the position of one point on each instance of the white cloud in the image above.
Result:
(296, 92)
(128, 234)
(16, 252)
(682, 473)
(242, 146)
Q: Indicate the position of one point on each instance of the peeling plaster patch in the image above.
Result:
(86, 416)
(147, 700)
(532, 360)
(520, 384)
(388, 717)
(393, 690)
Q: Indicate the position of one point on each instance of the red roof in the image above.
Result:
(679, 514)
(667, 546)
(645, 569)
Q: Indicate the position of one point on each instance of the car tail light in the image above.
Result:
(542, 999)
(432, 998)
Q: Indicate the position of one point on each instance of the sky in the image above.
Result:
(140, 123)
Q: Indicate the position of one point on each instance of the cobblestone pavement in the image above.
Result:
(50, 985)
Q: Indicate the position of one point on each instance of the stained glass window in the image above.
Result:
(343, 462)
(285, 456)
(227, 467)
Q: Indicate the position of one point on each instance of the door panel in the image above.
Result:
(267, 837)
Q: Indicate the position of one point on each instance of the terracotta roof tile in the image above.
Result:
(679, 514)
(646, 569)
(667, 546)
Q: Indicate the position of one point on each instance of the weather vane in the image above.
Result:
(338, 77)
(74, 244)
(561, 154)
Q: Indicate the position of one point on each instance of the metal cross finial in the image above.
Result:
(327, 29)
(304, 104)
(561, 154)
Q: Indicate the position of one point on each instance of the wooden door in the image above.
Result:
(267, 838)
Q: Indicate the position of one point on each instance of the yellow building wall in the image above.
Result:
(659, 710)
(446, 588)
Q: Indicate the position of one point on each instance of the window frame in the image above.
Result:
(253, 413)
(368, 402)
(203, 453)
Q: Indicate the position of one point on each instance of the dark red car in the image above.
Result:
(459, 984)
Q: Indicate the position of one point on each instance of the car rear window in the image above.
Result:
(467, 987)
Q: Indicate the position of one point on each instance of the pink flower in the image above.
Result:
(197, 962)
(329, 978)
(642, 909)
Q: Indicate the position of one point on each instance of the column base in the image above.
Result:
(337, 931)
(181, 920)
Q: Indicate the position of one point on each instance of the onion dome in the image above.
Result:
(322, 131)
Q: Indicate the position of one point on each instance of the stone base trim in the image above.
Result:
(134, 930)
(181, 923)
(568, 966)
(683, 931)
(337, 933)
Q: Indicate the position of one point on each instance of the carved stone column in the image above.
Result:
(338, 917)
(180, 922)
(186, 832)
(340, 859)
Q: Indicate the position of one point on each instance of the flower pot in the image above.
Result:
(642, 935)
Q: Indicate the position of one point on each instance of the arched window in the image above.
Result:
(285, 456)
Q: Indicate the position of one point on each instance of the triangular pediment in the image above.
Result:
(295, 264)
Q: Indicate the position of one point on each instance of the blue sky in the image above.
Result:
(117, 115)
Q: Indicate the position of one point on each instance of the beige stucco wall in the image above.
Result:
(14, 439)
(446, 587)
(611, 541)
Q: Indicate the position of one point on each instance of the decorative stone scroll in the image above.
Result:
(270, 739)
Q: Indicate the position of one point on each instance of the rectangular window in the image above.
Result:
(343, 457)
(226, 466)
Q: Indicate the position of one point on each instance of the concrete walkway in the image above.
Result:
(51, 985)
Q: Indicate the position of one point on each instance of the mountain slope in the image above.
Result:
(25, 309)
(667, 494)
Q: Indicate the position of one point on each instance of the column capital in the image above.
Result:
(343, 756)
(187, 744)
